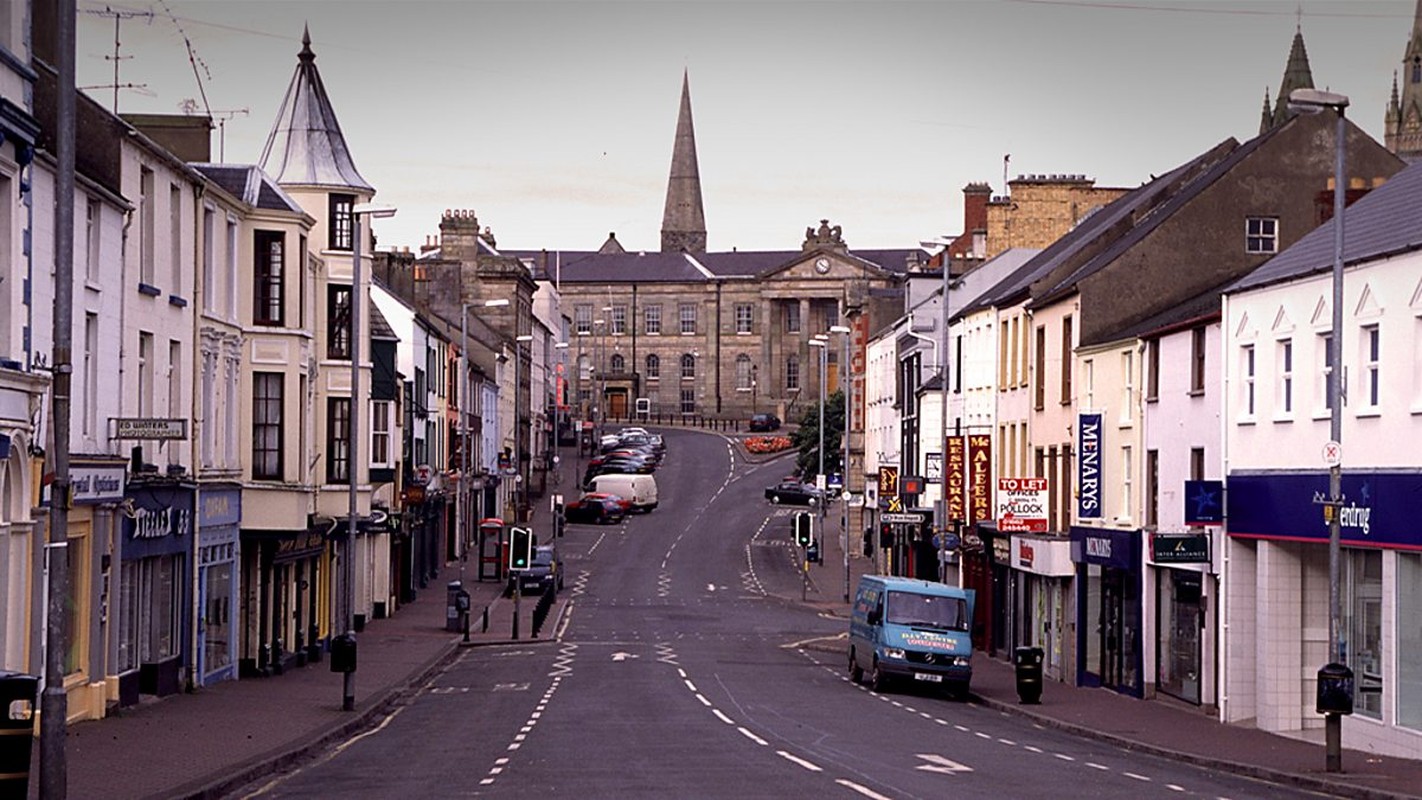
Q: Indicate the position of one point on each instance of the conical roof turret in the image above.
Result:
(306, 146)
(1297, 75)
(684, 219)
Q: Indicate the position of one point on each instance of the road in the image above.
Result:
(686, 666)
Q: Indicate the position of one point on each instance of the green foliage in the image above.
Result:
(807, 438)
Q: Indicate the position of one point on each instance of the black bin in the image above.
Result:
(343, 653)
(1027, 662)
(451, 605)
(18, 694)
(1335, 689)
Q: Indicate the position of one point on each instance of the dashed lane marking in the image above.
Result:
(864, 790)
(794, 759)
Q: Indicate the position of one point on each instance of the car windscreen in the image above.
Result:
(927, 611)
(542, 559)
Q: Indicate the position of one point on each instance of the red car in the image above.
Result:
(598, 507)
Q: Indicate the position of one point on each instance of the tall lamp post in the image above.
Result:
(600, 372)
(821, 340)
(847, 387)
(520, 480)
(560, 399)
(463, 515)
(353, 443)
(1314, 101)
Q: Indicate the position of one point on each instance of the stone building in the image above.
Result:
(1402, 123)
(1039, 209)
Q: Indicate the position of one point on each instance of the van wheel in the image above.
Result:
(856, 672)
(775, 499)
(878, 681)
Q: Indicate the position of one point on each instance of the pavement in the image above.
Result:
(211, 742)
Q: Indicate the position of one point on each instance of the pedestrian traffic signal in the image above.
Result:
(520, 548)
(886, 535)
(802, 528)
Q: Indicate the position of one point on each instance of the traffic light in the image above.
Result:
(803, 535)
(520, 548)
(886, 535)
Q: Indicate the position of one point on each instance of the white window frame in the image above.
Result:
(619, 320)
(652, 319)
(686, 318)
(175, 236)
(582, 318)
(745, 319)
(1247, 367)
(1284, 408)
(1324, 359)
(1370, 354)
(1127, 485)
(1261, 235)
(1128, 387)
(380, 433)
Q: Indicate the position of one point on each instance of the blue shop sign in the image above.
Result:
(218, 507)
(1106, 547)
(1088, 466)
(1204, 502)
(1379, 508)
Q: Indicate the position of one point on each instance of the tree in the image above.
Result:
(807, 437)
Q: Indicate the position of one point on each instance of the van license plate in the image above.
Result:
(927, 676)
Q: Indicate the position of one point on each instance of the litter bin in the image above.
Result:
(1028, 664)
(17, 731)
(451, 606)
(1335, 689)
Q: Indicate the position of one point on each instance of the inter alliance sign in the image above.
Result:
(1088, 471)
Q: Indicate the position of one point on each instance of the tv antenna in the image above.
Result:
(119, 16)
(191, 106)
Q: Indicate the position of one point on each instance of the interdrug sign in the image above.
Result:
(1088, 470)
(1379, 508)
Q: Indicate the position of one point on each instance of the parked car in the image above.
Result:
(545, 570)
(761, 423)
(597, 508)
(793, 492)
(640, 490)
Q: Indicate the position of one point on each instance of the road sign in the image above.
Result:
(1332, 453)
(896, 504)
(1022, 505)
(910, 517)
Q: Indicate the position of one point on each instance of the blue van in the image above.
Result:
(902, 628)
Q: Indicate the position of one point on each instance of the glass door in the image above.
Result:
(217, 618)
(1112, 624)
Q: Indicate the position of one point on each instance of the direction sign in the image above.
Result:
(910, 517)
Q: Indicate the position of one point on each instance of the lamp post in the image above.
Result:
(600, 372)
(846, 386)
(520, 480)
(560, 399)
(821, 341)
(353, 460)
(1314, 101)
(463, 515)
(943, 424)
(755, 371)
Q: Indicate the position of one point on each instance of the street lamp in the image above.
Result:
(462, 500)
(600, 372)
(821, 341)
(1313, 101)
(847, 387)
(353, 442)
(520, 482)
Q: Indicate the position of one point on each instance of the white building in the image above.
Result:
(1276, 414)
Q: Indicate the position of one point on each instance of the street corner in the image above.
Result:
(835, 643)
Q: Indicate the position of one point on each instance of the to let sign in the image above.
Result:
(1022, 505)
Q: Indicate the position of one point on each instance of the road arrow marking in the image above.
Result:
(623, 656)
(937, 763)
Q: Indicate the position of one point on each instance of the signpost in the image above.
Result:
(1022, 505)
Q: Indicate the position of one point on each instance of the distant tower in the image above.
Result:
(1402, 124)
(1297, 75)
(684, 221)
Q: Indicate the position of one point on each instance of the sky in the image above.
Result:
(554, 121)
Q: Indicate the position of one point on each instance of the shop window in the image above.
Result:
(1409, 642)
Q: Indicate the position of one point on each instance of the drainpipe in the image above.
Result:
(716, 332)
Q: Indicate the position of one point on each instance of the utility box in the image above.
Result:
(1335, 689)
(18, 693)
(343, 653)
(451, 606)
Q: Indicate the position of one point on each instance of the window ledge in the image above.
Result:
(1367, 413)
(1283, 419)
(1245, 421)
(1322, 415)
(175, 300)
(1195, 393)
(151, 291)
(92, 286)
(743, 333)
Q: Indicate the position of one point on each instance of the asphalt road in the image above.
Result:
(686, 667)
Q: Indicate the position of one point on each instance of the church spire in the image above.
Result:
(1402, 122)
(1266, 119)
(684, 220)
(306, 146)
(1297, 75)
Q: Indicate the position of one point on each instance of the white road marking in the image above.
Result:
(869, 793)
(752, 737)
(1063, 756)
(1172, 787)
(797, 760)
(1098, 766)
(1032, 749)
(703, 700)
(722, 716)
(1137, 777)
(937, 763)
(689, 684)
(961, 728)
(981, 735)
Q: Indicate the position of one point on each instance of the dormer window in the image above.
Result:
(341, 234)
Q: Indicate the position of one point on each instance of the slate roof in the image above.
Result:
(306, 146)
(379, 326)
(249, 184)
(656, 266)
(1200, 308)
(1386, 221)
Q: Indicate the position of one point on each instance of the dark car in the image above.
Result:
(761, 423)
(597, 508)
(793, 492)
(545, 570)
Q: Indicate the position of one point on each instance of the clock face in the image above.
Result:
(822, 265)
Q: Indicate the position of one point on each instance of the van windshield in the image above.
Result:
(927, 611)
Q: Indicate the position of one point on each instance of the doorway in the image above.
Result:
(617, 405)
(1110, 627)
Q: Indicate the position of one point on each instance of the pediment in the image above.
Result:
(1368, 307)
(1282, 323)
(822, 266)
(1321, 315)
(1245, 330)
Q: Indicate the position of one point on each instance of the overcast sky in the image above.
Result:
(554, 121)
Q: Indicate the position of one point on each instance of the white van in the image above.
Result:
(640, 489)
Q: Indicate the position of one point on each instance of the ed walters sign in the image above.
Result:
(1088, 470)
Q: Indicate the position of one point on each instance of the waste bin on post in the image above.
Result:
(1028, 664)
(451, 606)
(1335, 689)
(17, 731)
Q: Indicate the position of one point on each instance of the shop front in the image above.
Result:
(283, 581)
(218, 550)
(1184, 582)
(986, 562)
(1278, 589)
(1042, 573)
(1108, 601)
(152, 608)
(97, 487)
